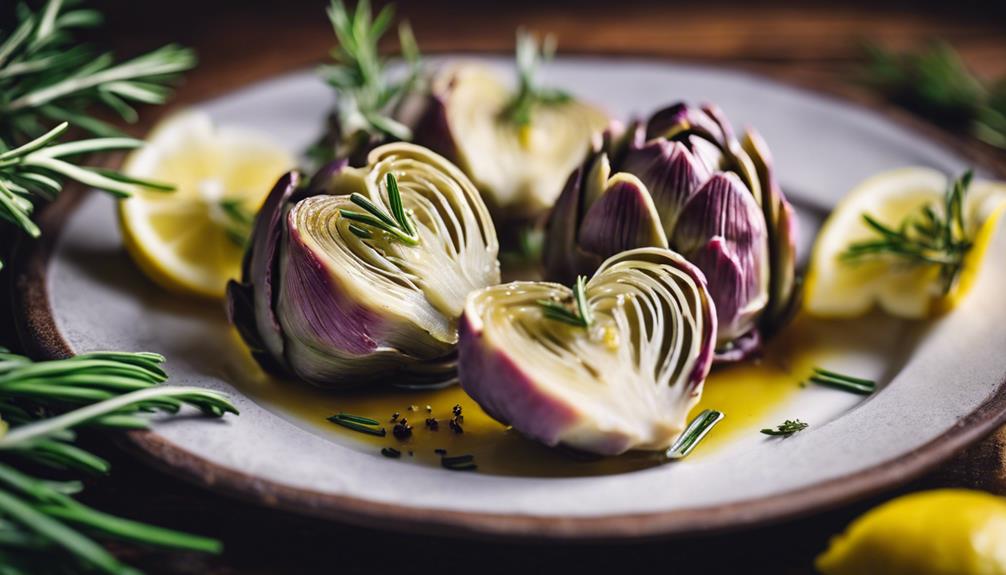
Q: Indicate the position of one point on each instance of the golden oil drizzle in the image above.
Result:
(747, 393)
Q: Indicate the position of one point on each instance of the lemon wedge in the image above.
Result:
(837, 288)
(941, 532)
(184, 240)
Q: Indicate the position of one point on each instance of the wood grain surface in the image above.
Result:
(814, 45)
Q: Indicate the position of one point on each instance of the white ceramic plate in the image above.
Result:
(941, 387)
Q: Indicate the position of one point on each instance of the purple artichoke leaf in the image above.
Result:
(263, 260)
(722, 231)
(782, 230)
(623, 217)
(678, 121)
(560, 231)
(671, 174)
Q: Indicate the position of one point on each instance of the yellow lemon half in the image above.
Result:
(942, 532)
(837, 288)
(184, 240)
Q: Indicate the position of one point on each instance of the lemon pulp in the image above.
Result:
(180, 239)
(836, 288)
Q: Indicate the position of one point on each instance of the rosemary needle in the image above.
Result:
(844, 382)
(358, 423)
(556, 311)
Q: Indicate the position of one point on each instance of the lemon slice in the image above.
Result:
(184, 240)
(837, 288)
(941, 532)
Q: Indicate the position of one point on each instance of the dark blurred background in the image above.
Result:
(813, 44)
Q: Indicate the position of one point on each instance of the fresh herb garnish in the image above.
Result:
(459, 463)
(936, 84)
(398, 224)
(925, 238)
(238, 221)
(843, 382)
(582, 317)
(694, 433)
(105, 390)
(47, 76)
(530, 56)
(786, 428)
(37, 168)
(367, 100)
(48, 80)
(358, 423)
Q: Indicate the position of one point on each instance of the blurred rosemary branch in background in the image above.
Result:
(40, 405)
(935, 83)
(48, 81)
(366, 98)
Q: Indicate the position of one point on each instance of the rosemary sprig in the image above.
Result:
(367, 99)
(786, 428)
(925, 238)
(359, 423)
(582, 317)
(935, 83)
(36, 168)
(47, 76)
(694, 433)
(844, 382)
(113, 390)
(398, 223)
(530, 56)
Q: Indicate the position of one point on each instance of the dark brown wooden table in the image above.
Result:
(814, 45)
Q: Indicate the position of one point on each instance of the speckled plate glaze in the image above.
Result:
(942, 389)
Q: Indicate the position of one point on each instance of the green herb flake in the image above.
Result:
(786, 428)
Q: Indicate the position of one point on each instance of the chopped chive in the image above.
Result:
(786, 428)
(844, 382)
(357, 418)
(391, 452)
(849, 378)
(694, 433)
(459, 463)
(362, 428)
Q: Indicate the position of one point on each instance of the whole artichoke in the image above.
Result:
(683, 180)
(361, 276)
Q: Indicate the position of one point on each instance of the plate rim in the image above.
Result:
(36, 329)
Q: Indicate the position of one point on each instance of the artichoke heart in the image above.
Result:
(519, 167)
(683, 180)
(624, 378)
(362, 275)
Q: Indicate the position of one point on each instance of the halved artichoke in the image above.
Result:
(625, 377)
(518, 146)
(684, 181)
(334, 293)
